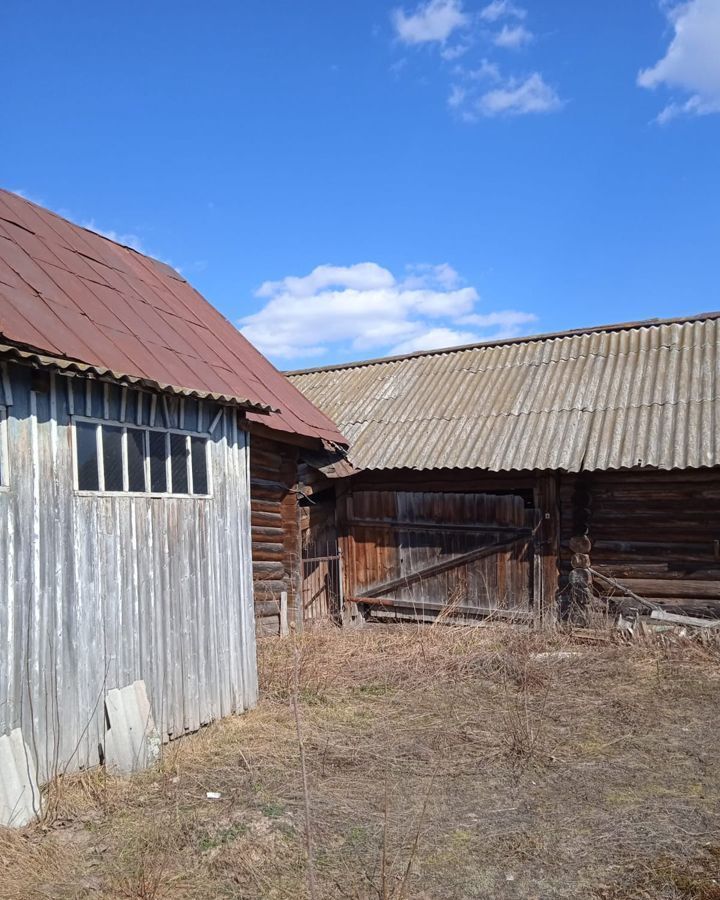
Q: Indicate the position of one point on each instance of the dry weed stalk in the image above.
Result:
(295, 701)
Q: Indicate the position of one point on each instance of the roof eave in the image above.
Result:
(77, 367)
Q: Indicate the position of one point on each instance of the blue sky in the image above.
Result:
(350, 179)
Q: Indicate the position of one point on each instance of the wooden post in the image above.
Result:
(546, 547)
(284, 625)
(343, 512)
(580, 580)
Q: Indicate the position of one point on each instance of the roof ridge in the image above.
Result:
(547, 336)
(45, 210)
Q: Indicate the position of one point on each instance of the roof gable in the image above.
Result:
(71, 293)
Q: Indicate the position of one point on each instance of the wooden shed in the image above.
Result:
(518, 476)
(126, 409)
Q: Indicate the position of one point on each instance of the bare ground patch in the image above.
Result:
(442, 762)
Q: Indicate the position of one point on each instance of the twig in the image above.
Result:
(413, 852)
(621, 587)
(383, 866)
(312, 884)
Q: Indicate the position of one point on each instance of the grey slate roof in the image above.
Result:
(642, 394)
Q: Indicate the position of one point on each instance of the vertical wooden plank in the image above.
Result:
(546, 549)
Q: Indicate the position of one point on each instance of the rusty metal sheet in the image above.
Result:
(76, 296)
(619, 396)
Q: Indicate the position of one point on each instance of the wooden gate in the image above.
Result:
(322, 593)
(422, 555)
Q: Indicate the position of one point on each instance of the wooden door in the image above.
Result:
(421, 555)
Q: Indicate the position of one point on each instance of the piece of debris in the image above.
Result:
(213, 795)
(555, 655)
(132, 742)
(19, 793)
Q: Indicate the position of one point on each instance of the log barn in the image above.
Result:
(526, 475)
(128, 406)
(278, 454)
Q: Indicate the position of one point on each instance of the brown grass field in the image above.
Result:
(442, 762)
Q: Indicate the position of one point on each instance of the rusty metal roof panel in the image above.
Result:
(70, 294)
(608, 398)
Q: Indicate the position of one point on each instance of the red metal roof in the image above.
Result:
(74, 294)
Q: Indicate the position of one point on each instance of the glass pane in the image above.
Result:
(158, 457)
(199, 465)
(178, 453)
(112, 457)
(136, 459)
(87, 460)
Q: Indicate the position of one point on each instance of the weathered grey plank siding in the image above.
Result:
(99, 591)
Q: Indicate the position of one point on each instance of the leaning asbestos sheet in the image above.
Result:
(19, 792)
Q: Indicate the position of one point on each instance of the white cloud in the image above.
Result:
(127, 240)
(516, 97)
(434, 339)
(20, 192)
(365, 308)
(455, 51)
(498, 26)
(513, 36)
(501, 9)
(486, 71)
(457, 96)
(434, 21)
(692, 61)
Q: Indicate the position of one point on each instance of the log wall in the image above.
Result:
(275, 530)
(658, 533)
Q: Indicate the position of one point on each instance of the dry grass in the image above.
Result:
(442, 762)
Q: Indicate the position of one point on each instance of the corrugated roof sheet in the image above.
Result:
(608, 398)
(72, 294)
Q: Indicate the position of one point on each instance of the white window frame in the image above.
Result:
(90, 420)
(4, 452)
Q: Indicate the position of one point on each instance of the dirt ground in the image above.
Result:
(442, 763)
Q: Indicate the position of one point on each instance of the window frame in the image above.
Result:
(146, 429)
(4, 450)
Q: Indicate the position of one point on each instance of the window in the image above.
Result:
(86, 443)
(115, 458)
(4, 464)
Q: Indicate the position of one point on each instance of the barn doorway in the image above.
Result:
(423, 555)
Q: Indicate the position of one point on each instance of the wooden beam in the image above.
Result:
(546, 547)
(438, 526)
(438, 606)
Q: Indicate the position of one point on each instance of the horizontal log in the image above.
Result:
(269, 596)
(262, 519)
(267, 607)
(263, 492)
(439, 606)
(259, 532)
(464, 528)
(270, 484)
(269, 571)
(262, 592)
(658, 587)
(263, 546)
(664, 571)
(260, 456)
(263, 505)
(685, 551)
(676, 619)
